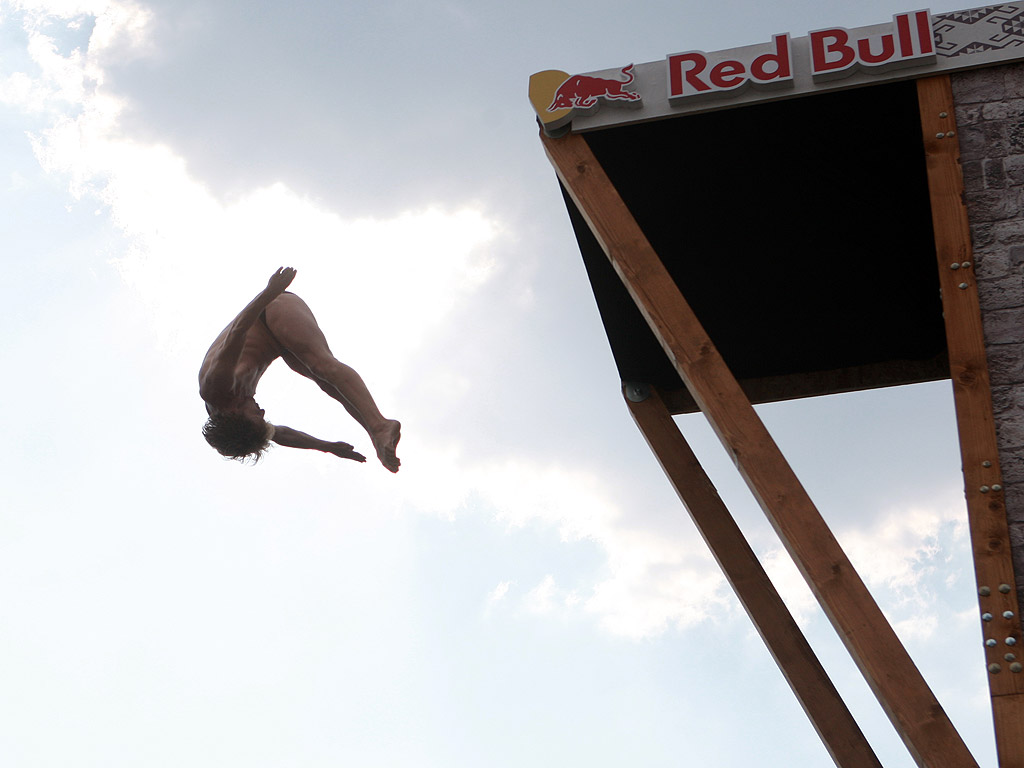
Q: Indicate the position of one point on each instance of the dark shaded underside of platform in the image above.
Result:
(799, 231)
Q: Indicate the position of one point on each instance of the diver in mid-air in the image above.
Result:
(279, 324)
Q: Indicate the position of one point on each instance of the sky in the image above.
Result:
(527, 590)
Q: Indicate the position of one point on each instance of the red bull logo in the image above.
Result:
(583, 91)
(558, 96)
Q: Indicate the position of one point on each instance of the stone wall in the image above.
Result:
(990, 118)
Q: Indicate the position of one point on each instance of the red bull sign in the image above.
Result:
(691, 74)
(913, 44)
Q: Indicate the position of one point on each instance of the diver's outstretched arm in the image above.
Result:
(293, 438)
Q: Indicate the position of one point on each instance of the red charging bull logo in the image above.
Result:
(558, 97)
(583, 91)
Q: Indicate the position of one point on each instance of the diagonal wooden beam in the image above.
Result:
(972, 395)
(911, 706)
(814, 690)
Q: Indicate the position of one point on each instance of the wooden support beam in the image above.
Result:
(814, 690)
(912, 708)
(979, 451)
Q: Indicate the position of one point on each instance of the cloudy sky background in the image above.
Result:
(527, 591)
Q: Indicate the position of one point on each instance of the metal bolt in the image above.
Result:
(1010, 657)
(1011, 641)
(636, 392)
(986, 464)
(966, 265)
(1007, 614)
(986, 616)
(955, 265)
(950, 135)
(940, 135)
(962, 286)
(943, 114)
(997, 487)
(995, 669)
(984, 591)
(991, 643)
(1004, 588)
(1016, 667)
(984, 489)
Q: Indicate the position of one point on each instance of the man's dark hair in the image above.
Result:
(237, 437)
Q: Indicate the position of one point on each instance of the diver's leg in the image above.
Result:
(307, 352)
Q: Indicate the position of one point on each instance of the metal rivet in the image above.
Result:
(955, 265)
(962, 286)
(997, 487)
(1016, 667)
(1004, 588)
(986, 616)
(1007, 614)
(986, 464)
(950, 135)
(995, 669)
(637, 392)
(1010, 657)
(943, 114)
(966, 265)
(1011, 641)
(991, 643)
(940, 135)
(984, 489)
(984, 591)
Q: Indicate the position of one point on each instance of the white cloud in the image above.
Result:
(63, 82)
(499, 592)
(652, 580)
(900, 557)
(908, 545)
(658, 584)
(187, 248)
(790, 584)
(543, 597)
(571, 500)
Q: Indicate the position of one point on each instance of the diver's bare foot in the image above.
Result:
(385, 441)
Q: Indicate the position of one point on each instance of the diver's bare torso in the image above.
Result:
(258, 352)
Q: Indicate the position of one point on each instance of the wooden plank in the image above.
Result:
(912, 708)
(986, 510)
(774, 389)
(1009, 720)
(814, 690)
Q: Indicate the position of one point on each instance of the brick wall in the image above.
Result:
(990, 118)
